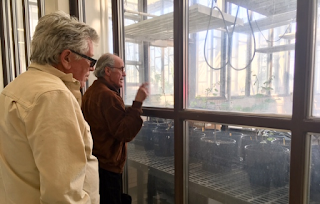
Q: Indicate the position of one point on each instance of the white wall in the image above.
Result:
(55, 5)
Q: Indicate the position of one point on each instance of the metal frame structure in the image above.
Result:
(299, 124)
(9, 38)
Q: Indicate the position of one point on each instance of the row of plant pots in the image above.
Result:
(264, 155)
(160, 134)
(157, 136)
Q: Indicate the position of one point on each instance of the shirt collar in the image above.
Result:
(54, 71)
(71, 83)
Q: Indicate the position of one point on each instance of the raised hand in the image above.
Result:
(143, 92)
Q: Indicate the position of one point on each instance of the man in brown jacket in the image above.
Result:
(111, 124)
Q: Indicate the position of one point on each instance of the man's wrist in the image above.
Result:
(136, 104)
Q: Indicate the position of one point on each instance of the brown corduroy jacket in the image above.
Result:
(111, 124)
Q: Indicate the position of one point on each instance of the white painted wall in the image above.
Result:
(55, 5)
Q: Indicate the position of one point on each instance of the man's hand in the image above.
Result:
(143, 92)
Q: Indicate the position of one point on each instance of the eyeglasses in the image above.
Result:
(92, 61)
(120, 68)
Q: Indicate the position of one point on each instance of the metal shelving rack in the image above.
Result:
(153, 29)
(227, 187)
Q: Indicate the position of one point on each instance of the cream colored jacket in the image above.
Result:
(45, 143)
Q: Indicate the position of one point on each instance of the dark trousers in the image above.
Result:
(111, 188)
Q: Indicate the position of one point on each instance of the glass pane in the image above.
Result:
(149, 50)
(241, 56)
(151, 163)
(233, 164)
(33, 16)
(316, 85)
(315, 170)
(20, 38)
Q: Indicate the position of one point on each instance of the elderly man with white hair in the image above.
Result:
(45, 143)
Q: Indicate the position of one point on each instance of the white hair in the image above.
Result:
(56, 32)
(106, 60)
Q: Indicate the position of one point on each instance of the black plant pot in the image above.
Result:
(249, 140)
(281, 138)
(163, 138)
(208, 132)
(217, 153)
(194, 140)
(194, 145)
(147, 134)
(283, 141)
(244, 131)
(237, 136)
(267, 164)
(137, 141)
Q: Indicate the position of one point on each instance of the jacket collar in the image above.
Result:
(104, 81)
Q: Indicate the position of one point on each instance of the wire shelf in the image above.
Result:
(226, 187)
(161, 27)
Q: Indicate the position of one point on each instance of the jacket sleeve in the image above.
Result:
(56, 142)
(124, 124)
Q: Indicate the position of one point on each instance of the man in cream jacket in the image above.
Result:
(45, 143)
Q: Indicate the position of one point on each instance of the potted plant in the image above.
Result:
(283, 141)
(137, 141)
(237, 136)
(249, 140)
(217, 153)
(195, 135)
(267, 164)
(163, 138)
(194, 144)
(147, 138)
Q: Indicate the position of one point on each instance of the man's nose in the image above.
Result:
(91, 69)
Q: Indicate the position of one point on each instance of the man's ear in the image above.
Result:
(107, 71)
(65, 59)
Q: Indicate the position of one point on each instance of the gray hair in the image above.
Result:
(106, 60)
(56, 32)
